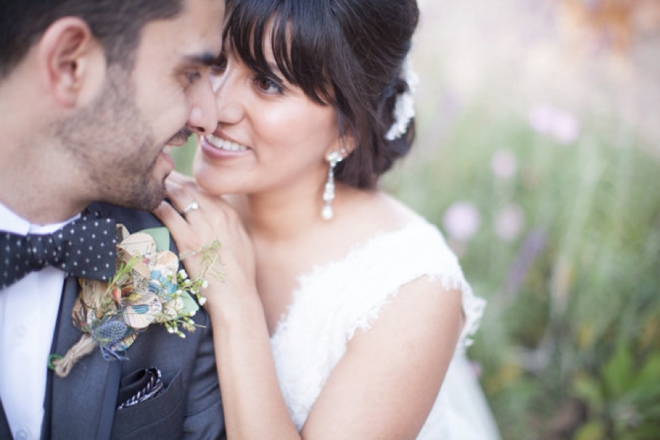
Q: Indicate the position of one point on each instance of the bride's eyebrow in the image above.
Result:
(275, 70)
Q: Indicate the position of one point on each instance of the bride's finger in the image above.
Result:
(189, 240)
(171, 218)
(179, 178)
(165, 213)
(184, 198)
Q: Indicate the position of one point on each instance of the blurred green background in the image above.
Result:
(538, 155)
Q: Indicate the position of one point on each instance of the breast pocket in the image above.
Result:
(158, 418)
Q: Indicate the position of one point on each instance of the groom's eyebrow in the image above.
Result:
(205, 59)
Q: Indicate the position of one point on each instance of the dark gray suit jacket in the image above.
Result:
(83, 405)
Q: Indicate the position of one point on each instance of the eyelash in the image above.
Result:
(261, 81)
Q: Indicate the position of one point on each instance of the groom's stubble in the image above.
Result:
(113, 146)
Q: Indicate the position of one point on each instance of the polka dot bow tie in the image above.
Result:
(83, 248)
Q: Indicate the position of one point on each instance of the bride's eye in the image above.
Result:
(268, 85)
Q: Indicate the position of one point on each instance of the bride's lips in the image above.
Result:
(220, 146)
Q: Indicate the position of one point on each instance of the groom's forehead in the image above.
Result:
(193, 37)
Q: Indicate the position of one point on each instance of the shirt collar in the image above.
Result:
(12, 222)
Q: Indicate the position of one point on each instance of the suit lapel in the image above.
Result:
(5, 432)
(83, 404)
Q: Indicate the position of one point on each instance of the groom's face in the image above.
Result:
(122, 136)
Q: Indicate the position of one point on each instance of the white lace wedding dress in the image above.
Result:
(339, 298)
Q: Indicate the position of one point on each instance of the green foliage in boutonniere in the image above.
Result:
(147, 288)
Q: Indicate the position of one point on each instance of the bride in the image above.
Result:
(341, 314)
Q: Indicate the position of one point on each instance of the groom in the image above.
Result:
(91, 92)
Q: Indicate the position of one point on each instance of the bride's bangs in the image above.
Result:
(297, 34)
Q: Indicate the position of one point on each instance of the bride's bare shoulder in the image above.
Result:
(377, 211)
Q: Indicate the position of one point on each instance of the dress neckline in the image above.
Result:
(359, 248)
(304, 279)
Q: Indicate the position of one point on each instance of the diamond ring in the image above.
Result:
(192, 207)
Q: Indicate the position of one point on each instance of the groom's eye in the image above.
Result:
(191, 77)
(219, 65)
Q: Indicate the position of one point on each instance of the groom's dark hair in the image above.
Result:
(115, 23)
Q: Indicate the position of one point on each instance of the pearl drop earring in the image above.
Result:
(329, 192)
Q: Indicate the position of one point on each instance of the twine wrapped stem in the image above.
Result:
(62, 366)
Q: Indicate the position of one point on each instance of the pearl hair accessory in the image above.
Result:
(404, 109)
(329, 192)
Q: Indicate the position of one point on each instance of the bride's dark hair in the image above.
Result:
(345, 53)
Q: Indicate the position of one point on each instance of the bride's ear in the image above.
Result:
(345, 145)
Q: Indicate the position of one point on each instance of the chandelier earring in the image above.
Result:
(333, 159)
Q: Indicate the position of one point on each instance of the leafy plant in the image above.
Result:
(570, 344)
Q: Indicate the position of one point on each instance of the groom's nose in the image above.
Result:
(203, 116)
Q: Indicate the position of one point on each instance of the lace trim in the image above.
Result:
(451, 278)
(336, 298)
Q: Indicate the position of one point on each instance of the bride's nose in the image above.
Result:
(229, 98)
(202, 115)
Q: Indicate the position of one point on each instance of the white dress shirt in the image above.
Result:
(28, 316)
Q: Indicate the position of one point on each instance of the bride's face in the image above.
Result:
(270, 135)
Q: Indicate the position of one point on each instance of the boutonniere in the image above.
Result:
(148, 288)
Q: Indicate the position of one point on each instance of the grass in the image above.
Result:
(576, 291)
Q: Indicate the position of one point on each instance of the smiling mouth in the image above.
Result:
(224, 144)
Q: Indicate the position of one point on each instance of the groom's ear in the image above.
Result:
(71, 60)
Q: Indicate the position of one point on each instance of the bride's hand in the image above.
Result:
(196, 220)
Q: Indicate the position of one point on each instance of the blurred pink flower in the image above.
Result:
(540, 118)
(477, 369)
(461, 221)
(560, 124)
(566, 129)
(504, 164)
(509, 222)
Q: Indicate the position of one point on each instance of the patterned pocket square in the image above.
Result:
(140, 386)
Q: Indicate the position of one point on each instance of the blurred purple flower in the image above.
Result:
(504, 164)
(509, 222)
(461, 221)
(560, 124)
(531, 247)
